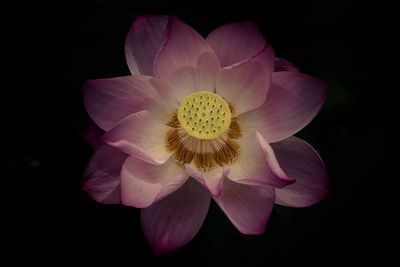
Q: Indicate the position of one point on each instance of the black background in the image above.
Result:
(44, 153)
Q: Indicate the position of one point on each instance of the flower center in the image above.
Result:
(204, 115)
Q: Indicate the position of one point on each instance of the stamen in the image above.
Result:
(205, 154)
(234, 131)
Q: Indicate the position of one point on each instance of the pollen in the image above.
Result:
(197, 110)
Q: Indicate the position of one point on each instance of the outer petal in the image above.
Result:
(143, 42)
(171, 223)
(110, 100)
(246, 85)
(293, 101)
(257, 164)
(141, 136)
(247, 207)
(186, 60)
(302, 162)
(93, 135)
(284, 65)
(143, 183)
(212, 180)
(102, 176)
(236, 42)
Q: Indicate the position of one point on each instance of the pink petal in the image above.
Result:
(171, 223)
(246, 85)
(284, 65)
(110, 100)
(166, 102)
(143, 183)
(212, 180)
(301, 161)
(143, 42)
(257, 164)
(186, 60)
(142, 136)
(293, 101)
(102, 175)
(247, 207)
(236, 42)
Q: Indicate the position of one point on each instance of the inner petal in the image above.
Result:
(204, 115)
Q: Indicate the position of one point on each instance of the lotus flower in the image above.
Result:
(203, 119)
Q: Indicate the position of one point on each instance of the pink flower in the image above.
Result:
(200, 119)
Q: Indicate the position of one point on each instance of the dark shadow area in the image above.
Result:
(355, 133)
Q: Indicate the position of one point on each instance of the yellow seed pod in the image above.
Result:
(204, 115)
